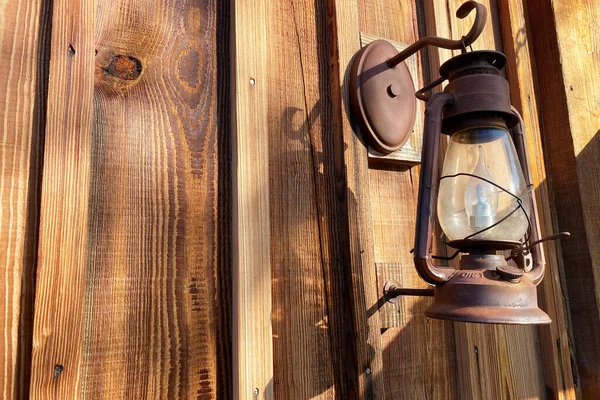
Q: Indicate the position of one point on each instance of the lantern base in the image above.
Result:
(482, 296)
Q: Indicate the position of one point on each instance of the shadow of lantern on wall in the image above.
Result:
(485, 199)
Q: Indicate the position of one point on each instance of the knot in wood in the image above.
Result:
(124, 67)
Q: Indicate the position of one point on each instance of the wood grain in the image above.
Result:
(131, 298)
(555, 339)
(500, 362)
(419, 355)
(24, 38)
(425, 347)
(494, 371)
(60, 291)
(252, 330)
(313, 345)
(351, 157)
(147, 100)
(567, 56)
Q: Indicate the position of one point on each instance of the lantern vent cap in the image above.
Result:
(474, 62)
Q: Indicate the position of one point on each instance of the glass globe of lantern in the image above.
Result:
(470, 203)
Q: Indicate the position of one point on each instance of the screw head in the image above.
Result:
(255, 392)
(394, 90)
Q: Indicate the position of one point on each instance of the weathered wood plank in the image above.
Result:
(24, 38)
(567, 56)
(312, 320)
(418, 352)
(60, 291)
(498, 362)
(417, 365)
(297, 125)
(393, 201)
(436, 16)
(154, 232)
(252, 330)
(351, 157)
(554, 338)
(132, 286)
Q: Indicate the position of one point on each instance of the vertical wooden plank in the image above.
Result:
(437, 23)
(422, 372)
(252, 330)
(57, 335)
(419, 354)
(312, 319)
(555, 338)
(498, 362)
(567, 55)
(24, 36)
(132, 294)
(156, 302)
(301, 342)
(352, 157)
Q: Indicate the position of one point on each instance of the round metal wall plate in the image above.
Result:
(382, 98)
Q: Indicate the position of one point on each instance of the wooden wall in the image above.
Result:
(24, 53)
(188, 210)
(566, 50)
(133, 248)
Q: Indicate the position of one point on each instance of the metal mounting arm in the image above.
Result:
(382, 93)
(466, 40)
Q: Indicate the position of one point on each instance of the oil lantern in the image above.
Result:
(482, 196)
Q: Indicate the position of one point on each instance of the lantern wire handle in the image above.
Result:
(558, 236)
(517, 198)
(525, 250)
(519, 206)
(420, 94)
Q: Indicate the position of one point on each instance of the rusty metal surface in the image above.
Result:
(428, 180)
(485, 289)
(482, 96)
(483, 296)
(382, 98)
(392, 290)
(466, 40)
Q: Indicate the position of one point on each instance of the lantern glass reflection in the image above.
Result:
(467, 204)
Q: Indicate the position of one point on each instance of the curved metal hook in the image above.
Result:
(466, 40)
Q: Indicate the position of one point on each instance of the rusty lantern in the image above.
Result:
(483, 198)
